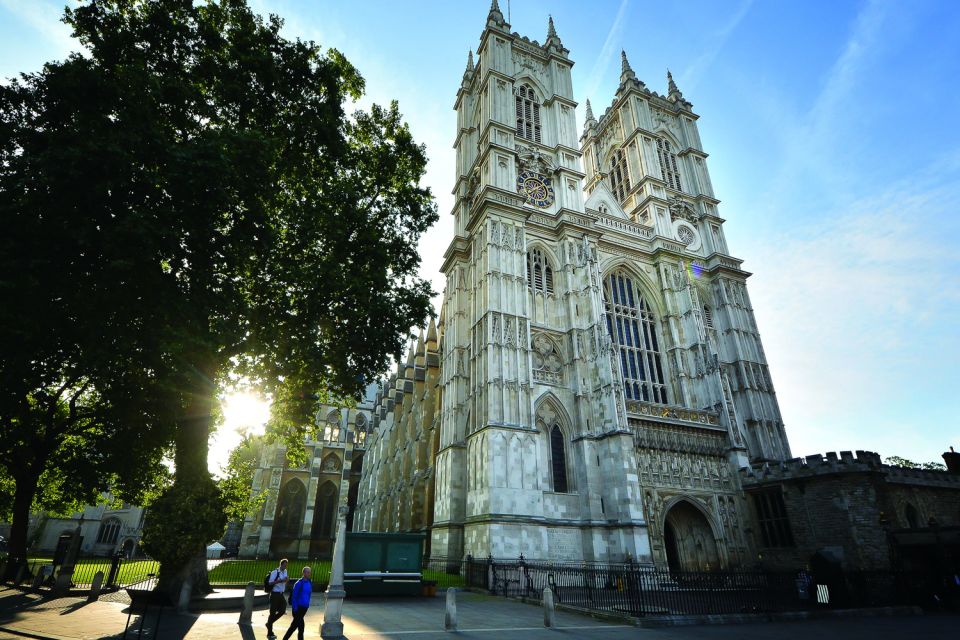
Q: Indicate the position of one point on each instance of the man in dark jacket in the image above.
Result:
(300, 601)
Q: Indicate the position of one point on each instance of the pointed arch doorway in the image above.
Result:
(688, 539)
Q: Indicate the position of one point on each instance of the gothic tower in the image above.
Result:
(536, 454)
(601, 377)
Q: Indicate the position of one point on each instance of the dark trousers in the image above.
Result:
(278, 606)
(296, 623)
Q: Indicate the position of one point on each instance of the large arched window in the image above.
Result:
(528, 114)
(290, 509)
(668, 164)
(109, 531)
(558, 459)
(619, 177)
(633, 328)
(539, 273)
(912, 516)
(326, 511)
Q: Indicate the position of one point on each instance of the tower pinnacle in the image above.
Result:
(626, 72)
(470, 61)
(495, 15)
(590, 112)
(551, 30)
(674, 93)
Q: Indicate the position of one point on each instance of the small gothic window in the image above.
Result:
(109, 531)
(290, 509)
(913, 516)
(668, 164)
(707, 317)
(558, 459)
(632, 326)
(619, 176)
(326, 510)
(539, 272)
(528, 114)
(772, 516)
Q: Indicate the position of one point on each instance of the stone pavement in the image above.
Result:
(481, 618)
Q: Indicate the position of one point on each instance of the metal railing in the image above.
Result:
(634, 590)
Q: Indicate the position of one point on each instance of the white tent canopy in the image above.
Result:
(215, 549)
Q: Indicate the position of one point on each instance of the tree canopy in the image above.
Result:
(195, 179)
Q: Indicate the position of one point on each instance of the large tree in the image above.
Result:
(251, 225)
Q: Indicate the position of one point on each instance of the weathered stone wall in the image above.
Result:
(847, 504)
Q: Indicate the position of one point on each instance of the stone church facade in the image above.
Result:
(597, 377)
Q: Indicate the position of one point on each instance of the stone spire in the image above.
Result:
(674, 94)
(432, 340)
(590, 123)
(553, 40)
(551, 31)
(626, 72)
(495, 16)
(470, 61)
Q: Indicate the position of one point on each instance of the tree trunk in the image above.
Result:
(23, 495)
(190, 459)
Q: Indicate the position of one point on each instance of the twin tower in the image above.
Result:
(596, 377)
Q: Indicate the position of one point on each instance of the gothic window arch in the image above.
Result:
(331, 430)
(619, 175)
(668, 164)
(528, 114)
(326, 510)
(707, 317)
(633, 327)
(290, 509)
(109, 531)
(912, 516)
(539, 272)
(558, 459)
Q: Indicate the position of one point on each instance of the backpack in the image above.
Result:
(266, 582)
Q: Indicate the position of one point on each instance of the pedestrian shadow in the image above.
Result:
(246, 632)
(75, 607)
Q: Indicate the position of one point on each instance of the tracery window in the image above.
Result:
(109, 531)
(290, 509)
(528, 114)
(632, 326)
(668, 164)
(558, 459)
(772, 516)
(539, 272)
(326, 510)
(619, 177)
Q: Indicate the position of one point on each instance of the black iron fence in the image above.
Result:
(634, 590)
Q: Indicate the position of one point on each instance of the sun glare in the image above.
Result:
(244, 413)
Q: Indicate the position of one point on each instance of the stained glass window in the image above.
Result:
(633, 328)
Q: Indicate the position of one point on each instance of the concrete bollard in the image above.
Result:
(549, 612)
(246, 615)
(95, 587)
(450, 619)
(183, 604)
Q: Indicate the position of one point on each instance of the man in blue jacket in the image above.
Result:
(300, 601)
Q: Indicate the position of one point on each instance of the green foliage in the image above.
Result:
(184, 519)
(188, 201)
(236, 483)
(897, 461)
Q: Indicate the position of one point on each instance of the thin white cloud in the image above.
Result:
(45, 16)
(853, 319)
(611, 46)
(695, 70)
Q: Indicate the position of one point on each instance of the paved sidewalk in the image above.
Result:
(481, 618)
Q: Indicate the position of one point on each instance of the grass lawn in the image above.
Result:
(244, 571)
(130, 570)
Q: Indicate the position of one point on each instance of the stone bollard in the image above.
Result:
(450, 619)
(95, 587)
(246, 615)
(183, 604)
(549, 612)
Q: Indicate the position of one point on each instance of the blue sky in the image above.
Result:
(833, 147)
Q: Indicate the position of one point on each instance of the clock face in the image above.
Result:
(535, 188)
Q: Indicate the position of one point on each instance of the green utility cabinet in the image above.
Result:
(381, 564)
